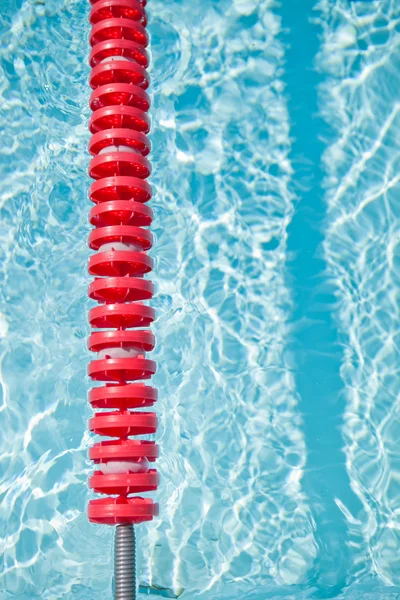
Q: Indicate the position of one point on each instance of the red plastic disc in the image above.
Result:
(113, 511)
(121, 212)
(114, 94)
(142, 2)
(121, 369)
(121, 315)
(124, 29)
(110, 117)
(118, 424)
(128, 449)
(124, 483)
(119, 188)
(125, 48)
(118, 71)
(121, 289)
(143, 340)
(127, 164)
(119, 263)
(134, 395)
(120, 233)
(110, 9)
(119, 137)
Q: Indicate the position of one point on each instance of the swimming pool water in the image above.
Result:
(276, 172)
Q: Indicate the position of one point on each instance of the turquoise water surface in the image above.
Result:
(277, 268)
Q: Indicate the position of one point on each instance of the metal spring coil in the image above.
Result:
(125, 563)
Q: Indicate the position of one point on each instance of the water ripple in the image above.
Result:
(360, 55)
(233, 450)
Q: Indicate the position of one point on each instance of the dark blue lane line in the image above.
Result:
(315, 342)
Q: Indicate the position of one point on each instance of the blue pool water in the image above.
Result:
(276, 171)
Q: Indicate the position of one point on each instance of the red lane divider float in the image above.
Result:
(121, 316)
(122, 71)
(108, 9)
(119, 241)
(119, 163)
(121, 212)
(118, 29)
(120, 188)
(124, 396)
(127, 117)
(121, 289)
(119, 93)
(119, 48)
(119, 137)
(120, 233)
